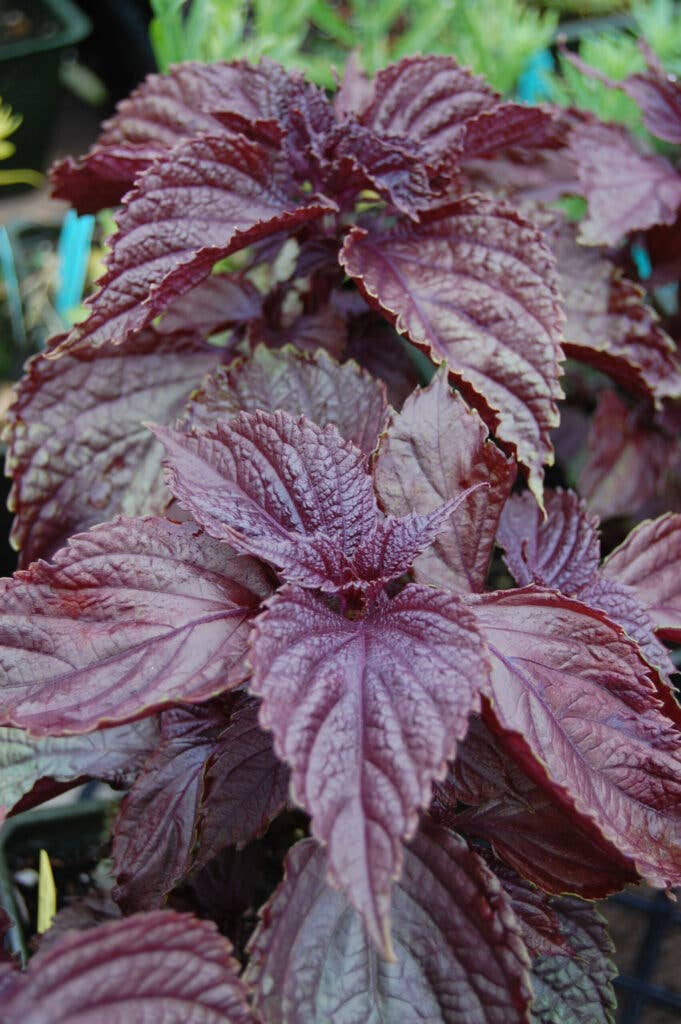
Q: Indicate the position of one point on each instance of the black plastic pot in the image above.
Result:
(71, 834)
(34, 35)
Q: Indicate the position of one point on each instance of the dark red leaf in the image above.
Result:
(561, 551)
(476, 289)
(527, 828)
(96, 907)
(609, 325)
(156, 827)
(433, 450)
(366, 711)
(648, 561)
(163, 111)
(219, 302)
(576, 987)
(209, 197)
(245, 785)
(427, 100)
(267, 481)
(132, 616)
(297, 496)
(115, 755)
(658, 96)
(621, 604)
(627, 460)
(505, 125)
(577, 705)
(77, 449)
(539, 923)
(299, 383)
(357, 158)
(162, 967)
(311, 959)
(626, 189)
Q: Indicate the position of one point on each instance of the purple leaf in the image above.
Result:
(245, 785)
(156, 827)
(658, 96)
(297, 496)
(609, 326)
(77, 450)
(578, 707)
(620, 603)
(648, 562)
(135, 615)
(450, 914)
(213, 782)
(366, 712)
(432, 451)
(299, 383)
(161, 967)
(576, 985)
(477, 290)
(115, 755)
(626, 189)
(209, 197)
(506, 125)
(219, 302)
(357, 158)
(163, 111)
(526, 827)
(627, 460)
(427, 100)
(266, 481)
(539, 923)
(561, 551)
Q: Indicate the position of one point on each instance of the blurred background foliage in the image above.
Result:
(494, 37)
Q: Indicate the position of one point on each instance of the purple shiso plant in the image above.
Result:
(257, 492)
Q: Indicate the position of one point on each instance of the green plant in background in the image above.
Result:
(9, 123)
(493, 37)
(616, 54)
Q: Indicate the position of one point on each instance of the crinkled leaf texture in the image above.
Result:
(525, 825)
(434, 449)
(212, 782)
(576, 985)
(207, 198)
(301, 383)
(163, 111)
(563, 552)
(609, 325)
(77, 449)
(476, 289)
(114, 755)
(577, 706)
(460, 958)
(626, 189)
(295, 495)
(132, 616)
(648, 562)
(161, 967)
(367, 712)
